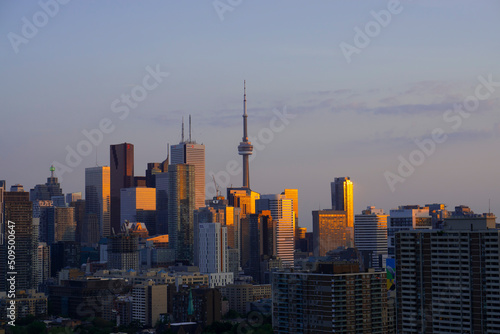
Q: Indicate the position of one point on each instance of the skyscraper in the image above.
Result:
(122, 176)
(342, 200)
(212, 245)
(97, 200)
(191, 153)
(447, 280)
(281, 209)
(245, 148)
(48, 190)
(334, 298)
(181, 188)
(330, 231)
(19, 209)
(370, 237)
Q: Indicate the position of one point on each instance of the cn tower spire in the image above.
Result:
(245, 148)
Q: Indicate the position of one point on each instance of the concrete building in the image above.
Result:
(335, 298)
(61, 224)
(330, 231)
(123, 252)
(27, 302)
(212, 248)
(448, 280)
(370, 237)
(48, 190)
(149, 302)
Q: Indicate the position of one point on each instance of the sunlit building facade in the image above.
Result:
(330, 231)
(138, 205)
(181, 205)
(370, 237)
(342, 200)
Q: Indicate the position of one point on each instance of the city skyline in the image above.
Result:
(344, 115)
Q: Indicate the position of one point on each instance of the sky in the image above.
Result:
(401, 97)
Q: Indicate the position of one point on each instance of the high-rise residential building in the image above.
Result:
(333, 298)
(121, 159)
(243, 198)
(370, 237)
(330, 231)
(212, 243)
(48, 190)
(448, 279)
(240, 295)
(18, 209)
(245, 148)
(191, 153)
(139, 205)
(342, 200)
(281, 208)
(405, 218)
(181, 206)
(149, 301)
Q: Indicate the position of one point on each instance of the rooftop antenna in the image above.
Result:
(96, 158)
(190, 128)
(489, 205)
(182, 141)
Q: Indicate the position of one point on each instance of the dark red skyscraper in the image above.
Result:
(121, 160)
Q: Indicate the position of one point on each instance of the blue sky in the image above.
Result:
(350, 118)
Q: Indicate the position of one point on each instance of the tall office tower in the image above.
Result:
(18, 209)
(334, 298)
(294, 195)
(149, 301)
(342, 200)
(138, 205)
(212, 245)
(281, 209)
(98, 200)
(191, 153)
(262, 243)
(330, 231)
(245, 148)
(121, 160)
(181, 205)
(161, 182)
(153, 169)
(61, 224)
(243, 198)
(370, 237)
(40, 211)
(406, 218)
(447, 280)
(200, 216)
(79, 207)
(48, 190)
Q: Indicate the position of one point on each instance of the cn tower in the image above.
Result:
(245, 148)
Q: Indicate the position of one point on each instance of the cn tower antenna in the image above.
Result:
(245, 148)
(182, 141)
